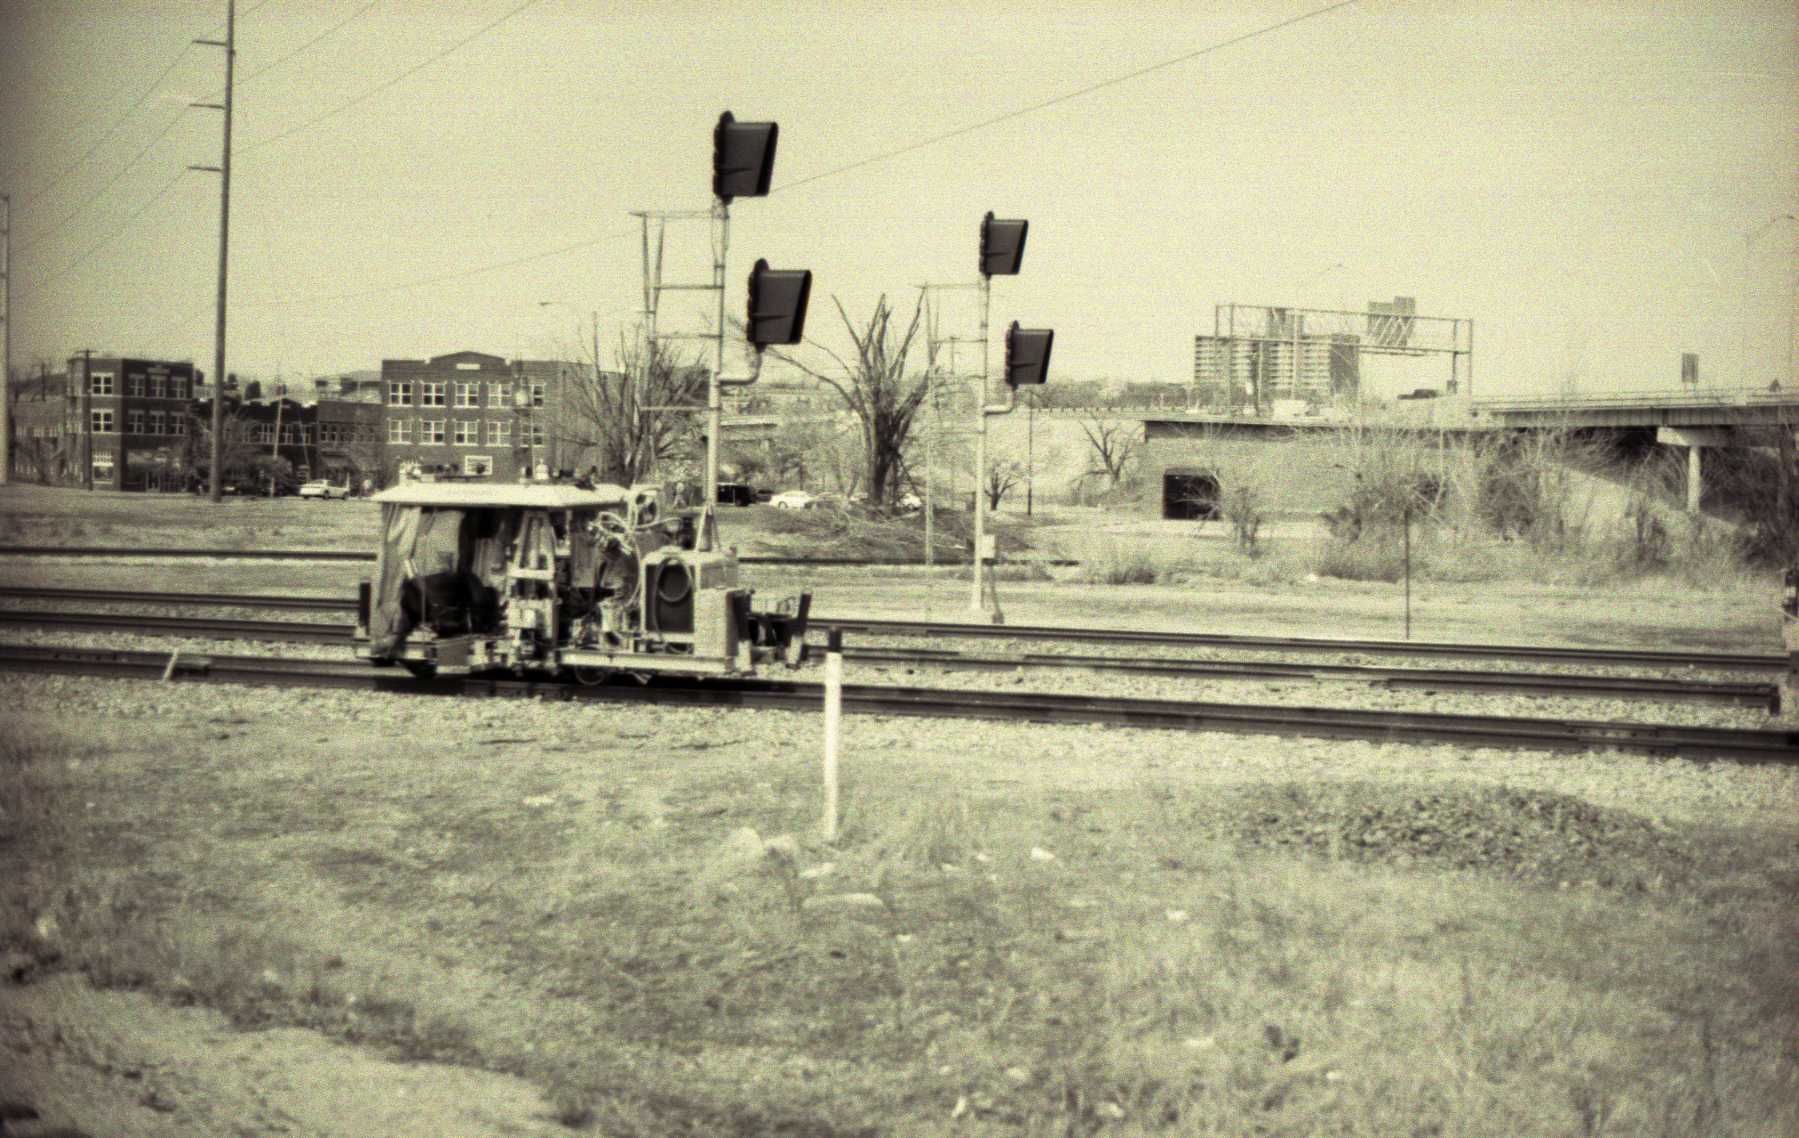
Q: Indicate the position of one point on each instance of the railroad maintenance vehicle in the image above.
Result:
(551, 577)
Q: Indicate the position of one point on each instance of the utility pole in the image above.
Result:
(87, 418)
(5, 338)
(223, 170)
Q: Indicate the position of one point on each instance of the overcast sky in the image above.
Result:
(1580, 179)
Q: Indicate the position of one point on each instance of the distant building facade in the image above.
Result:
(126, 422)
(476, 414)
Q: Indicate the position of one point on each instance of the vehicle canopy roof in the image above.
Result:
(501, 495)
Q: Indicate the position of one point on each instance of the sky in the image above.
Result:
(1599, 187)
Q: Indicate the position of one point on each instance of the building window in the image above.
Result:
(330, 433)
(431, 394)
(499, 432)
(468, 395)
(399, 395)
(159, 423)
(399, 430)
(431, 430)
(265, 432)
(102, 422)
(103, 469)
(159, 385)
(537, 435)
(134, 386)
(499, 395)
(100, 383)
(179, 423)
(134, 422)
(178, 386)
(468, 433)
(477, 465)
(537, 393)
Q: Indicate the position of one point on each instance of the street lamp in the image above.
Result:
(1749, 240)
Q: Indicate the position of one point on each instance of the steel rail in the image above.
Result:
(1515, 652)
(1412, 679)
(1599, 657)
(1334, 723)
(363, 556)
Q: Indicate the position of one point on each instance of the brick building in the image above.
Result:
(125, 422)
(475, 414)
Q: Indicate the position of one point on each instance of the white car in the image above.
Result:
(323, 489)
(793, 500)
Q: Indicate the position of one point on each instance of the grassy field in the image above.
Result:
(1125, 933)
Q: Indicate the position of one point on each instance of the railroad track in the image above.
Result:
(323, 555)
(952, 630)
(1409, 679)
(1333, 723)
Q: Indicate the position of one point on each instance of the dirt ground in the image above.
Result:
(125, 1063)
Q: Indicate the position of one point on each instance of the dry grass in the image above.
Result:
(1375, 960)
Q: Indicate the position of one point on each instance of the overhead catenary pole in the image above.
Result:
(223, 169)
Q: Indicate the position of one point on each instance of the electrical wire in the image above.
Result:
(858, 164)
(1033, 108)
(264, 70)
(101, 192)
(137, 213)
(113, 129)
(380, 87)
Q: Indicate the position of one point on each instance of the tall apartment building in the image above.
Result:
(126, 421)
(1255, 372)
(475, 414)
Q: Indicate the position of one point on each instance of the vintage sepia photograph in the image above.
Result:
(843, 570)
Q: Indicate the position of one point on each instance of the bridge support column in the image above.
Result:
(1695, 439)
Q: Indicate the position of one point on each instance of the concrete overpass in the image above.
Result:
(1696, 420)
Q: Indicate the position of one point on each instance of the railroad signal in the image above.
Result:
(743, 157)
(777, 308)
(1027, 354)
(1002, 245)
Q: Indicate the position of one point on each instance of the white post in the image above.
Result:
(833, 727)
(715, 389)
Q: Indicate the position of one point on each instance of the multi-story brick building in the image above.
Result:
(126, 421)
(475, 414)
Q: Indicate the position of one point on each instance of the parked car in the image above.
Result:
(793, 500)
(320, 488)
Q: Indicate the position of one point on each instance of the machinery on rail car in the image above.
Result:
(557, 576)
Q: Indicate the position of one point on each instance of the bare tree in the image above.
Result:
(1003, 474)
(238, 447)
(875, 388)
(1113, 446)
(634, 419)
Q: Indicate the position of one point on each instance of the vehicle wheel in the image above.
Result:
(421, 669)
(589, 677)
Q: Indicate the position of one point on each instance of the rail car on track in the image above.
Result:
(562, 577)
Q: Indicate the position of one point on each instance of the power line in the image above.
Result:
(1063, 98)
(113, 129)
(375, 90)
(933, 140)
(137, 213)
(358, 14)
(110, 183)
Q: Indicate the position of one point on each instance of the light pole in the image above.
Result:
(1749, 240)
